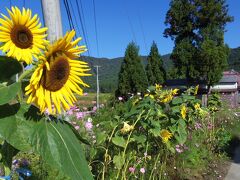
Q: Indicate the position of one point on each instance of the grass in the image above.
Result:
(90, 99)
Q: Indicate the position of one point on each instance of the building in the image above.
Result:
(228, 87)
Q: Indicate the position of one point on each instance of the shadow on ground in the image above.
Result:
(234, 150)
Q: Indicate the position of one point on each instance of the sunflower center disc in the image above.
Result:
(55, 79)
(22, 37)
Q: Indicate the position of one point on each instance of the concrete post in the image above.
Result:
(53, 20)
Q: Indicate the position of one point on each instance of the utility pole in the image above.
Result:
(97, 87)
(53, 20)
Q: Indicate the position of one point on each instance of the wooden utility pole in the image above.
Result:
(52, 18)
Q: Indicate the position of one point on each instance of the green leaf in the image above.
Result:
(188, 97)
(8, 68)
(119, 141)
(60, 148)
(139, 138)
(176, 109)
(177, 100)
(14, 127)
(173, 129)
(182, 133)
(155, 131)
(8, 152)
(118, 161)
(101, 137)
(25, 129)
(9, 92)
(155, 123)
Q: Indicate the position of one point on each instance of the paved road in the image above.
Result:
(234, 171)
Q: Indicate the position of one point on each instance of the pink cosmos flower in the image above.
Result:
(77, 127)
(210, 126)
(198, 126)
(85, 94)
(179, 150)
(88, 125)
(142, 170)
(94, 108)
(47, 112)
(131, 169)
(74, 108)
(70, 112)
(79, 115)
(120, 98)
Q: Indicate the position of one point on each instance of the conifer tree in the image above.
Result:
(154, 69)
(132, 77)
(195, 26)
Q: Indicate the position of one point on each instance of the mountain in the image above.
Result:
(109, 68)
(234, 59)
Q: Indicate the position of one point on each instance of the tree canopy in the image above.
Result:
(132, 77)
(196, 26)
(155, 72)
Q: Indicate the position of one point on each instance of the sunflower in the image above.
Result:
(165, 135)
(197, 106)
(196, 90)
(184, 112)
(126, 128)
(57, 76)
(21, 35)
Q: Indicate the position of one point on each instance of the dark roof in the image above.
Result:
(228, 79)
(182, 82)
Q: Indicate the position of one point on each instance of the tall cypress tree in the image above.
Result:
(132, 77)
(155, 72)
(196, 25)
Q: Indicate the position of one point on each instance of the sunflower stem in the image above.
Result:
(22, 76)
(25, 73)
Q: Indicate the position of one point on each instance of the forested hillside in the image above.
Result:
(108, 72)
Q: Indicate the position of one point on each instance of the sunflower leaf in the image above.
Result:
(9, 92)
(25, 129)
(8, 68)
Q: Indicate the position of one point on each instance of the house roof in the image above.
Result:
(229, 79)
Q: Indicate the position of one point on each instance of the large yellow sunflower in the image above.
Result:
(21, 35)
(57, 77)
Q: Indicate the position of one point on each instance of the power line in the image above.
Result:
(82, 12)
(68, 14)
(42, 14)
(130, 23)
(83, 26)
(74, 17)
(94, 9)
(143, 34)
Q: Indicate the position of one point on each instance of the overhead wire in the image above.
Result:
(43, 18)
(142, 30)
(83, 26)
(75, 19)
(95, 22)
(68, 14)
(130, 23)
(82, 12)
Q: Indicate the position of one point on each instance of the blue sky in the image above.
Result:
(122, 21)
